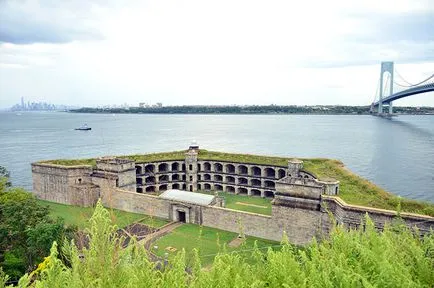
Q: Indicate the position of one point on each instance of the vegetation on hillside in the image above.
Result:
(353, 189)
(395, 257)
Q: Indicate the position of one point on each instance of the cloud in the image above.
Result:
(202, 52)
(384, 28)
(28, 22)
(354, 53)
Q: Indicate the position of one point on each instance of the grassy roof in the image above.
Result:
(353, 188)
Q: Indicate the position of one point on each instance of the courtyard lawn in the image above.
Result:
(79, 216)
(208, 241)
(245, 203)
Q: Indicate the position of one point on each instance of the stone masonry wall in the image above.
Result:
(60, 184)
(352, 215)
(300, 225)
(137, 203)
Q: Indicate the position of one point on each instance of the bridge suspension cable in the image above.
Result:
(402, 78)
(377, 90)
(410, 84)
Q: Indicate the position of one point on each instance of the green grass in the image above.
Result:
(70, 162)
(358, 191)
(138, 158)
(165, 156)
(242, 158)
(79, 216)
(232, 199)
(209, 241)
(353, 189)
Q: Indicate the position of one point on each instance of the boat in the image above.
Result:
(83, 128)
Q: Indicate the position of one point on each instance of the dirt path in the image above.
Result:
(166, 229)
(252, 205)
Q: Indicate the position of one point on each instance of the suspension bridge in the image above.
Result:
(390, 89)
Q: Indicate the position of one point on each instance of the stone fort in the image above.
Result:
(302, 205)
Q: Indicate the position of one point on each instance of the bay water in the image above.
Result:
(396, 154)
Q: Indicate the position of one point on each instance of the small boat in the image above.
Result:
(83, 128)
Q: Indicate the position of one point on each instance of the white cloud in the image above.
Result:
(225, 52)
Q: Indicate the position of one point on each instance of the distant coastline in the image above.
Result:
(255, 109)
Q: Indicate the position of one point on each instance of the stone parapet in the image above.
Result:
(352, 216)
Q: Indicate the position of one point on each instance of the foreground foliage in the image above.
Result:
(393, 258)
(26, 231)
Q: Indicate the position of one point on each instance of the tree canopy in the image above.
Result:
(26, 230)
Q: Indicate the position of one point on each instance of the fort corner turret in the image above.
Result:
(294, 167)
(301, 190)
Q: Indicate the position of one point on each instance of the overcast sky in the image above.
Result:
(99, 52)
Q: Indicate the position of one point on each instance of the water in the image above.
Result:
(397, 154)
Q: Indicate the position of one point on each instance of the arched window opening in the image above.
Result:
(230, 168)
(175, 166)
(230, 179)
(230, 189)
(269, 184)
(242, 181)
(206, 167)
(255, 192)
(218, 178)
(270, 173)
(162, 167)
(242, 170)
(256, 171)
(242, 191)
(218, 167)
(255, 182)
(269, 194)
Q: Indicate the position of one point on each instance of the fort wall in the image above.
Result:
(352, 216)
(67, 185)
(301, 204)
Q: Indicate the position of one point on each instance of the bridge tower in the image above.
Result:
(386, 67)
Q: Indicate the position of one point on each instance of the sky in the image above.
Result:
(105, 52)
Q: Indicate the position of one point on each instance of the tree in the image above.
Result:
(26, 231)
(4, 178)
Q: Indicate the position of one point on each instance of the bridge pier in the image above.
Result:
(390, 108)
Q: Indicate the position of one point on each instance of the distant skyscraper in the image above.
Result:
(22, 103)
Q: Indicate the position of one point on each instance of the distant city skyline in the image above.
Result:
(94, 53)
(39, 106)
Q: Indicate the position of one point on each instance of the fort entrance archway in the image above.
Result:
(180, 213)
